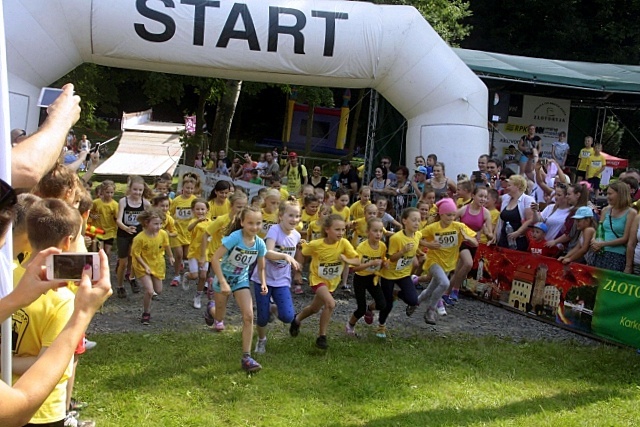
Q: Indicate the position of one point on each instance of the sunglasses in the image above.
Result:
(8, 197)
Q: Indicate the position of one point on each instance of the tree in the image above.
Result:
(612, 134)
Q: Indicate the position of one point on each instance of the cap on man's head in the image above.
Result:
(421, 169)
(344, 162)
(541, 226)
(293, 154)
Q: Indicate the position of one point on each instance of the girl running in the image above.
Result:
(218, 200)
(269, 211)
(315, 227)
(402, 249)
(103, 215)
(241, 248)
(282, 241)
(181, 212)
(443, 239)
(129, 207)
(357, 209)
(340, 205)
(328, 257)
(162, 203)
(198, 264)
(147, 253)
(372, 254)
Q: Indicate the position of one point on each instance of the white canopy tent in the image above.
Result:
(317, 43)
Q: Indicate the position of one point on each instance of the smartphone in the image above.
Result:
(477, 176)
(48, 95)
(69, 266)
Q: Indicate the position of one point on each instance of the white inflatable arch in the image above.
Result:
(317, 43)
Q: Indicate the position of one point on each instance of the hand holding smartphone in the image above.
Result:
(70, 266)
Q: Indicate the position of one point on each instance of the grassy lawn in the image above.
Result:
(194, 379)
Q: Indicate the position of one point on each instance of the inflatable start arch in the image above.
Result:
(317, 43)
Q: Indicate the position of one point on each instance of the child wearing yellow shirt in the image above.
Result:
(357, 209)
(198, 265)
(595, 167)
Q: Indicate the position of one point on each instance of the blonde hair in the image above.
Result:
(287, 204)
(147, 215)
(519, 181)
(236, 222)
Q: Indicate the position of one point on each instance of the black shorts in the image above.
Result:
(470, 248)
(107, 241)
(595, 183)
(124, 245)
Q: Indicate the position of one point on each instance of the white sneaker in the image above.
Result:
(350, 330)
(261, 346)
(197, 300)
(440, 308)
(89, 345)
(185, 282)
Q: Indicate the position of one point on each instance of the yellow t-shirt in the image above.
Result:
(284, 194)
(181, 212)
(495, 214)
(197, 233)
(357, 209)
(215, 229)
(37, 326)
(316, 230)
(583, 158)
(305, 220)
(450, 239)
(326, 265)
(169, 225)
(402, 267)
(460, 202)
(344, 213)
(151, 250)
(367, 253)
(595, 163)
(103, 215)
(215, 210)
(268, 221)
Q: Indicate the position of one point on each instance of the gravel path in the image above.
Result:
(173, 311)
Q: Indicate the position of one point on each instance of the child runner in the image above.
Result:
(269, 211)
(360, 226)
(357, 209)
(104, 212)
(147, 253)
(443, 239)
(328, 256)
(315, 227)
(218, 199)
(212, 239)
(129, 207)
(282, 241)
(465, 189)
(372, 254)
(329, 198)
(340, 204)
(181, 212)
(241, 248)
(402, 249)
(583, 158)
(198, 264)
(162, 203)
(309, 214)
(387, 220)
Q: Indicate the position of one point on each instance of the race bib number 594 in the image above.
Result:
(330, 270)
(403, 262)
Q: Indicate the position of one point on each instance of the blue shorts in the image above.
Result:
(524, 159)
(233, 284)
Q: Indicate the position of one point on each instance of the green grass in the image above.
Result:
(194, 379)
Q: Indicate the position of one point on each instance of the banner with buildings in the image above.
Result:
(597, 301)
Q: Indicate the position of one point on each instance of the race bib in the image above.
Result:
(448, 240)
(330, 270)
(183, 213)
(266, 226)
(241, 258)
(596, 164)
(403, 263)
(366, 259)
(131, 218)
(289, 250)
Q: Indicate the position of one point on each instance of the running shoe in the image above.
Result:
(146, 319)
(250, 365)
(440, 308)
(89, 345)
(261, 346)
(381, 332)
(197, 301)
(176, 281)
(219, 326)
(208, 319)
(430, 316)
(350, 330)
(321, 342)
(297, 289)
(185, 282)
(448, 300)
(294, 329)
(454, 295)
(368, 316)
(410, 310)
(134, 285)
(122, 292)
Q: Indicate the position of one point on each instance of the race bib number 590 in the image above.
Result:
(403, 262)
